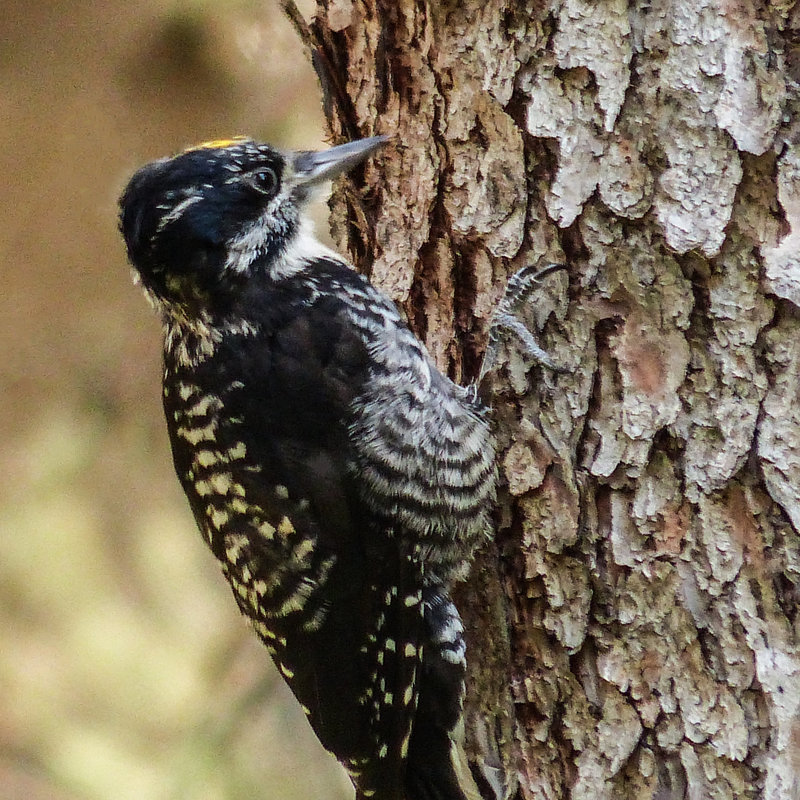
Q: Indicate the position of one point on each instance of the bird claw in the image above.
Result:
(520, 286)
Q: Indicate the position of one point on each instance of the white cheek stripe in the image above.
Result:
(177, 211)
(300, 249)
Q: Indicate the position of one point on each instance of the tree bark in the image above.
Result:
(633, 626)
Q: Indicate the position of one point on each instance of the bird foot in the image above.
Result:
(506, 320)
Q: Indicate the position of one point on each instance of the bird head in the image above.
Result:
(196, 225)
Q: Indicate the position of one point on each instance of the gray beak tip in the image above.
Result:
(316, 166)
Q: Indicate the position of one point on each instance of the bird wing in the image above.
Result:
(329, 587)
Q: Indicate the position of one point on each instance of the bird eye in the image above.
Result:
(264, 181)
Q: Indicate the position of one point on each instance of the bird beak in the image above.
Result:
(312, 167)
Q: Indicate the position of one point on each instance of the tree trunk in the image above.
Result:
(633, 627)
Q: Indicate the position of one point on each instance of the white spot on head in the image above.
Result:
(177, 211)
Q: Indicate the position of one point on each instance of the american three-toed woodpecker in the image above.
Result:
(341, 480)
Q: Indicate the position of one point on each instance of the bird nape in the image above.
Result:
(341, 480)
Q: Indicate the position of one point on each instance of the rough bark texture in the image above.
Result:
(633, 629)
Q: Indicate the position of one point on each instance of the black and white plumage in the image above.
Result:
(341, 480)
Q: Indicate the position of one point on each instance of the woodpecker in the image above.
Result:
(340, 479)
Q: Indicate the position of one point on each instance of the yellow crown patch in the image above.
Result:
(215, 144)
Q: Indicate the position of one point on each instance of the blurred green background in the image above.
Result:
(125, 668)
